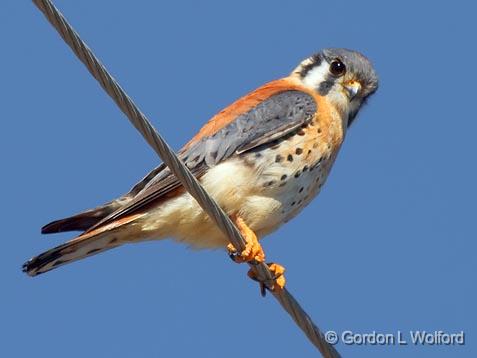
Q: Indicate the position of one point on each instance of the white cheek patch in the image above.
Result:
(316, 76)
(335, 95)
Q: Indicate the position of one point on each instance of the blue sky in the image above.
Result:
(388, 245)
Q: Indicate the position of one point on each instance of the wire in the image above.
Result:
(153, 138)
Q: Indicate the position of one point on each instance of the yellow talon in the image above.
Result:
(278, 276)
(253, 252)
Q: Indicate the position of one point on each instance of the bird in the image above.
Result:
(263, 159)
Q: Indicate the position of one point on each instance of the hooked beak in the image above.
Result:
(352, 89)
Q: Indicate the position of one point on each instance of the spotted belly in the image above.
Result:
(267, 187)
(289, 173)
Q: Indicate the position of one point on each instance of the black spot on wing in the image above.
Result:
(271, 120)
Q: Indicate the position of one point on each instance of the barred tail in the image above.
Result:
(89, 244)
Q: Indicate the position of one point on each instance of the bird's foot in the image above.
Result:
(253, 250)
(278, 277)
(253, 253)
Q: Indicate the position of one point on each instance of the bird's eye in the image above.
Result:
(337, 68)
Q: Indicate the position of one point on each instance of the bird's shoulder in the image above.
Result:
(247, 103)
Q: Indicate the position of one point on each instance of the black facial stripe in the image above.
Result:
(326, 85)
(315, 61)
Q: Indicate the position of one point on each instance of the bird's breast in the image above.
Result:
(266, 186)
(289, 173)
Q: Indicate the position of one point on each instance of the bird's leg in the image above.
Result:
(253, 252)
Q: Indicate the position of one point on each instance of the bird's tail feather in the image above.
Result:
(89, 244)
(82, 221)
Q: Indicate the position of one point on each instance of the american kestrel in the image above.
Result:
(263, 159)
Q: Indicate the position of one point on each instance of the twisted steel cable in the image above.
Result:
(190, 183)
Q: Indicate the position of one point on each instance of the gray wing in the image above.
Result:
(270, 120)
(274, 118)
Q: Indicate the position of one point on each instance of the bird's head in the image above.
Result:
(345, 77)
